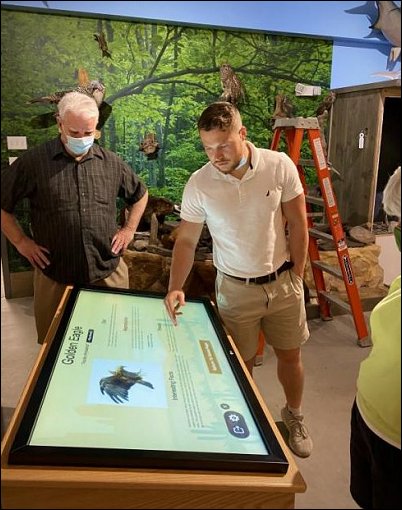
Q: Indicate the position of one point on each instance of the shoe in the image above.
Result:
(299, 439)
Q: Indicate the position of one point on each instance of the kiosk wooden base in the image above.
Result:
(82, 488)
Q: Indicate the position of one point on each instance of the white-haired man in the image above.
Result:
(72, 186)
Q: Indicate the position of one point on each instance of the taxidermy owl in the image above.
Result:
(326, 104)
(322, 114)
(233, 90)
(283, 108)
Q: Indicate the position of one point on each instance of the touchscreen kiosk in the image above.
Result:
(122, 386)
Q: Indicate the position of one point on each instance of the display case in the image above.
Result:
(120, 397)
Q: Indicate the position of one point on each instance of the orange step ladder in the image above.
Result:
(294, 131)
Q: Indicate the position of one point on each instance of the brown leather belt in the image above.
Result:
(268, 278)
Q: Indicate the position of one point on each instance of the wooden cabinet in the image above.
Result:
(364, 147)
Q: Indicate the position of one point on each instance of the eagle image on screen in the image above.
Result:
(118, 384)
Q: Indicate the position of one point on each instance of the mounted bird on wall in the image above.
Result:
(93, 88)
(233, 89)
(101, 40)
(150, 146)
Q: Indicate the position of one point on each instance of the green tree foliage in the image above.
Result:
(158, 80)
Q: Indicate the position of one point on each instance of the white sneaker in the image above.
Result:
(299, 439)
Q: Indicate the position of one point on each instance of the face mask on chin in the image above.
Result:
(79, 146)
(241, 162)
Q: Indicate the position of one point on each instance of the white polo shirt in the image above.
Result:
(244, 217)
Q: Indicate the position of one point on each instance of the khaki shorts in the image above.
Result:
(48, 293)
(276, 308)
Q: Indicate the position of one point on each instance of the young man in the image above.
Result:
(72, 186)
(244, 194)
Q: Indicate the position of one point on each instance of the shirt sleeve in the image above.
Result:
(292, 186)
(15, 184)
(191, 205)
(132, 189)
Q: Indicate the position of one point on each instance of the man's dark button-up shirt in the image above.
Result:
(73, 206)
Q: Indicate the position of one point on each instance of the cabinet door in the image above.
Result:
(355, 115)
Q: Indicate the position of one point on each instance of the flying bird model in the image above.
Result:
(118, 384)
(93, 89)
(389, 23)
(101, 40)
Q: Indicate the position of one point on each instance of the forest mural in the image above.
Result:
(158, 78)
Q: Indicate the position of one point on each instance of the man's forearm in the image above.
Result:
(182, 262)
(11, 228)
(135, 213)
(298, 246)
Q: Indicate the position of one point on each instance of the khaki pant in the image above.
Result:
(275, 308)
(48, 293)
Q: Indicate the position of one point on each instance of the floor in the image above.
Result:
(331, 359)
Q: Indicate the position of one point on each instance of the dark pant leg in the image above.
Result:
(375, 467)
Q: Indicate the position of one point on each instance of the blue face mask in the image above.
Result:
(79, 146)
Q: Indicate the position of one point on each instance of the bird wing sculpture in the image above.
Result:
(118, 384)
(101, 40)
(389, 23)
(94, 89)
(51, 98)
(233, 90)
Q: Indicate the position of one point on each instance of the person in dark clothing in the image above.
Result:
(72, 186)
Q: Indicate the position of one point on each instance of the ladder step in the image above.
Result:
(320, 235)
(297, 122)
(314, 200)
(306, 162)
(315, 214)
(335, 271)
(322, 227)
(329, 296)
